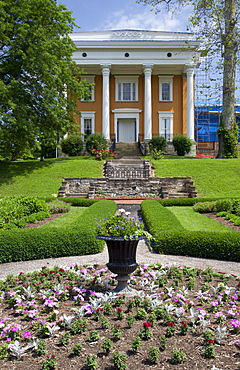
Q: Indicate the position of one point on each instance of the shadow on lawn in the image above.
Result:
(10, 170)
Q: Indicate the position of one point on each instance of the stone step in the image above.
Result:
(178, 195)
(127, 150)
(76, 195)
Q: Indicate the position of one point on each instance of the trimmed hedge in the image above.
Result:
(31, 244)
(158, 218)
(172, 239)
(185, 201)
(79, 202)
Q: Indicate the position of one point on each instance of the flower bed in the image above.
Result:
(64, 317)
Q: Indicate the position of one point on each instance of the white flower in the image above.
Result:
(121, 210)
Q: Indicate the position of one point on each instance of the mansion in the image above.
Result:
(142, 83)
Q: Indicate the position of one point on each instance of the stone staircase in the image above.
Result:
(128, 178)
(127, 150)
(127, 168)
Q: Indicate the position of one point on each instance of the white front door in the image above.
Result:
(126, 130)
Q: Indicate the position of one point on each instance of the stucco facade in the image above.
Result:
(143, 83)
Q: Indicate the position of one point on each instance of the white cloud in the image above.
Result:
(147, 20)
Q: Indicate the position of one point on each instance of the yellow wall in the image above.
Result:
(178, 105)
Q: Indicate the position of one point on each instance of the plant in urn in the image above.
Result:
(122, 234)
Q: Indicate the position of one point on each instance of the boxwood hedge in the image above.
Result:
(79, 202)
(185, 201)
(170, 238)
(30, 244)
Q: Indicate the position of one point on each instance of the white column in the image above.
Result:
(105, 101)
(148, 102)
(190, 102)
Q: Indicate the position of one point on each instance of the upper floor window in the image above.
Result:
(126, 88)
(165, 88)
(89, 80)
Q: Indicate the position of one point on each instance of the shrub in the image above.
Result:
(204, 207)
(156, 154)
(102, 153)
(96, 141)
(159, 143)
(16, 207)
(236, 206)
(58, 206)
(80, 202)
(182, 144)
(72, 145)
(224, 205)
(31, 244)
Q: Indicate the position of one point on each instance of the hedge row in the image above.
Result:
(172, 239)
(79, 202)
(185, 201)
(158, 218)
(31, 244)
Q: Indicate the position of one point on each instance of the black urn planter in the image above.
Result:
(122, 260)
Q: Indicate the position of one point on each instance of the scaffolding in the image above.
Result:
(206, 104)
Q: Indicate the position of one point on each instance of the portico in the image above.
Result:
(143, 82)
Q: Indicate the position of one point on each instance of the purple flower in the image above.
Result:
(235, 323)
(27, 334)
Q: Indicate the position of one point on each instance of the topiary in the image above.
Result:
(72, 145)
(182, 144)
(96, 141)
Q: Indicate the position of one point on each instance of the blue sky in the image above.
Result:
(99, 15)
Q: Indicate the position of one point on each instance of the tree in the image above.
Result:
(39, 82)
(216, 22)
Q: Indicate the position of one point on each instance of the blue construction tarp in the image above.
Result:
(207, 121)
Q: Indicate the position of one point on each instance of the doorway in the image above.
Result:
(126, 130)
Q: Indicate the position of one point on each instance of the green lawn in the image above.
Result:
(212, 177)
(65, 220)
(193, 221)
(44, 178)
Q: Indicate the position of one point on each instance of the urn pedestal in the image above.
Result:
(122, 260)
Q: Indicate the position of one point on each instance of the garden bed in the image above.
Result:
(180, 310)
(223, 221)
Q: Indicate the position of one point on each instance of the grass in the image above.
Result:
(193, 221)
(65, 220)
(44, 178)
(212, 177)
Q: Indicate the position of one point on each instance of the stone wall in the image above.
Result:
(162, 187)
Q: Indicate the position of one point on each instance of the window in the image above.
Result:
(87, 126)
(126, 88)
(166, 125)
(89, 80)
(87, 123)
(165, 88)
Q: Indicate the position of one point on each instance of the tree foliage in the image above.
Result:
(39, 82)
(217, 25)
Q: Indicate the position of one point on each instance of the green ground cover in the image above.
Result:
(212, 177)
(193, 221)
(44, 178)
